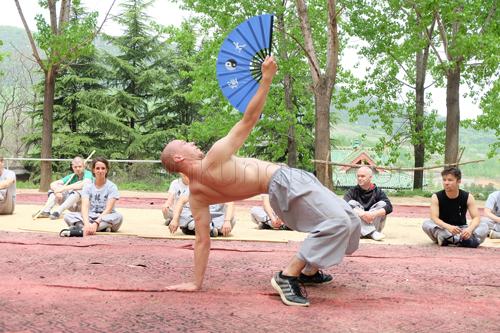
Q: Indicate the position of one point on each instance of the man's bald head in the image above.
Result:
(364, 176)
(167, 156)
(366, 170)
(78, 161)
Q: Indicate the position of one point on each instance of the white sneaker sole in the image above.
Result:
(283, 298)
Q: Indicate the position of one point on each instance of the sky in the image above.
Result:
(167, 13)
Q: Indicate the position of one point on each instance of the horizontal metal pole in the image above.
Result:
(69, 160)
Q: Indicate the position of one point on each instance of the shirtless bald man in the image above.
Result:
(296, 196)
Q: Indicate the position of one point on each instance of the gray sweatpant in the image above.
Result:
(186, 219)
(258, 214)
(305, 205)
(113, 220)
(434, 231)
(492, 225)
(7, 205)
(378, 223)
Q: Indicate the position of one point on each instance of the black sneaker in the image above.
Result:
(471, 242)
(108, 229)
(167, 222)
(317, 279)
(214, 232)
(283, 227)
(289, 290)
(443, 241)
(54, 216)
(42, 215)
(187, 231)
(263, 225)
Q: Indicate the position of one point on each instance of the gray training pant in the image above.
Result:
(186, 219)
(434, 231)
(305, 205)
(378, 223)
(113, 220)
(492, 225)
(7, 205)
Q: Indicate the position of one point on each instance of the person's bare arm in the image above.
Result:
(488, 213)
(269, 211)
(435, 217)
(168, 203)
(6, 182)
(476, 218)
(174, 224)
(223, 149)
(87, 228)
(201, 214)
(226, 226)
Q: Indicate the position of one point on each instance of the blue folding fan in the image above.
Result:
(240, 59)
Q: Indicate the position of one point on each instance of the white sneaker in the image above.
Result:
(494, 234)
(377, 236)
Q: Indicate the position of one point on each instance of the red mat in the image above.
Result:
(115, 284)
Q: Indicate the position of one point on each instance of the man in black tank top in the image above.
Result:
(448, 223)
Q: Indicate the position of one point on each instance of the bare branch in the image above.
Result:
(30, 37)
(401, 65)
(82, 43)
(474, 64)
(22, 54)
(427, 35)
(406, 84)
(302, 47)
(488, 19)
(340, 11)
(433, 82)
(442, 32)
(53, 16)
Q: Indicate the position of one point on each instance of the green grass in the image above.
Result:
(142, 187)
(411, 193)
(26, 185)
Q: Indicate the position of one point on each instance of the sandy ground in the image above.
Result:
(150, 223)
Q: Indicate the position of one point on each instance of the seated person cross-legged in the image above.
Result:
(67, 196)
(177, 187)
(222, 217)
(492, 214)
(7, 190)
(370, 203)
(98, 203)
(264, 216)
(448, 223)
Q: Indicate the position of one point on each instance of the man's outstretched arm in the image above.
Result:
(230, 144)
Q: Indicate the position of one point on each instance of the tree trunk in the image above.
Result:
(452, 115)
(48, 119)
(419, 147)
(322, 128)
(287, 84)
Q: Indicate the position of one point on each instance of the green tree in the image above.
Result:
(61, 41)
(469, 35)
(282, 133)
(398, 54)
(135, 75)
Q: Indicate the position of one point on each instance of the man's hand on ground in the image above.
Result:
(184, 286)
(226, 228)
(174, 224)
